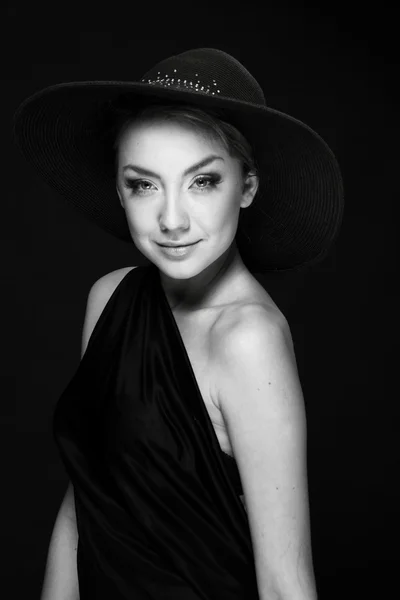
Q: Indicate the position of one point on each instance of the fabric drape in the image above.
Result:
(157, 501)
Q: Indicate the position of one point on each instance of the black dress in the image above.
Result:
(157, 501)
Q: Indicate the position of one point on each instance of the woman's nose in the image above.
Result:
(174, 214)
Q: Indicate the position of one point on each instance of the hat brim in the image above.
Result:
(295, 218)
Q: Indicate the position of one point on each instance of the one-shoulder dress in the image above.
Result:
(157, 501)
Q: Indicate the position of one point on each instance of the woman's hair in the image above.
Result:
(203, 120)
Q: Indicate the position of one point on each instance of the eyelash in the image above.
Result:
(213, 180)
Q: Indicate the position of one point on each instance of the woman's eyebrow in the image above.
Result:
(203, 163)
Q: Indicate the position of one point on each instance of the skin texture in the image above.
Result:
(174, 207)
(263, 408)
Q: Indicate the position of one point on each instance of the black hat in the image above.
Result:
(298, 209)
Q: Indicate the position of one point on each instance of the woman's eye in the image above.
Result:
(139, 186)
(204, 182)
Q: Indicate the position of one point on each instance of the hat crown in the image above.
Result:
(207, 71)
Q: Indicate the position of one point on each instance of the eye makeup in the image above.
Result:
(139, 186)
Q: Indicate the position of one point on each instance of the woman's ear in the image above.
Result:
(250, 187)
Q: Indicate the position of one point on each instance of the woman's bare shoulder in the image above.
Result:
(103, 288)
(109, 281)
(254, 309)
(100, 293)
(253, 303)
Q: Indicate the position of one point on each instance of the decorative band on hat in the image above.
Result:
(167, 81)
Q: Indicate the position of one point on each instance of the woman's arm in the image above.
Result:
(263, 407)
(61, 576)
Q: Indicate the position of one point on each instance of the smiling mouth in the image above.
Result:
(178, 245)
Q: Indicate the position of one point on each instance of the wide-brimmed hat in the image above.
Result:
(298, 209)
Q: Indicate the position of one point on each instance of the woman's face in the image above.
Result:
(178, 185)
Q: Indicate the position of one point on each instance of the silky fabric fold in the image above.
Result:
(157, 501)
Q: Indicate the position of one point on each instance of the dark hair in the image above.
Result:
(205, 120)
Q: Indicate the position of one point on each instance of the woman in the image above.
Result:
(183, 430)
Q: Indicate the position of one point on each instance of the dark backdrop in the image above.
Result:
(334, 68)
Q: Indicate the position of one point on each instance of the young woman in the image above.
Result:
(183, 431)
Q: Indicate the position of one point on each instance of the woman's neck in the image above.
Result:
(206, 289)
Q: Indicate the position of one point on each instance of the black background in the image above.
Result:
(333, 66)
